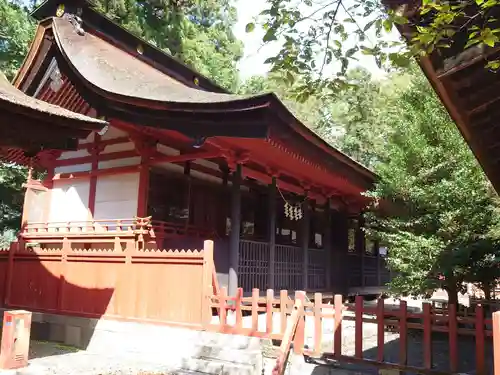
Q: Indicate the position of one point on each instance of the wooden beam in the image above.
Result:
(161, 158)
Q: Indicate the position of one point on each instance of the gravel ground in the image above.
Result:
(48, 358)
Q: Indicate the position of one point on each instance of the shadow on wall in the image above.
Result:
(53, 288)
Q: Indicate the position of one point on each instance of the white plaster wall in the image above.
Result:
(116, 196)
(69, 201)
(128, 146)
(74, 154)
(73, 168)
(35, 201)
(136, 160)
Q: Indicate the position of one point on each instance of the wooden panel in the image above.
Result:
(91, 286)
(155, 286)
(35, 283)
(148, 285)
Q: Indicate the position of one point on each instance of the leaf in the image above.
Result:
(400, 20)
(387, 25)
(399, 60)
(351, 51)
(369, 25)
(250, 27)
(269, 36)
(489, 41)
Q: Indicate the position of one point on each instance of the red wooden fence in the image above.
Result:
(318, 315)
(116, 283)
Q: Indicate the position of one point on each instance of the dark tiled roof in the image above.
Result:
(117, 72)
(15, 98)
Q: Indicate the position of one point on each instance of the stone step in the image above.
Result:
(167, 341)
(211, 366)
(248, 357)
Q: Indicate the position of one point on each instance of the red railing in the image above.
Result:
(86, 228)
(317, 316)
(162, 230)
(288, 336)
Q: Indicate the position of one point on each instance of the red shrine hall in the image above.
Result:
(182, 161)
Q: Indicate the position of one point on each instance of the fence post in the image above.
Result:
(222, 307)
(283, 310)
(403, 333)
(380, 329)
(318, 330)
(337, 333)
(427, 335)
(207, 287)
(480, 367)
(255, 307)
(496, 342)
(453, 337)
(358, 327)
(298, 342)
(269, 311)
(239, 317)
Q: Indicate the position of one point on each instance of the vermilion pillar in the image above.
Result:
(234, 237)
(272, 233)
(305, 227)
(327, 245)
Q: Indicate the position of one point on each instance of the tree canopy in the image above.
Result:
(442, 229)
(319, 40)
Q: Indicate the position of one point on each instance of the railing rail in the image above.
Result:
(86, 227)
(165, 229)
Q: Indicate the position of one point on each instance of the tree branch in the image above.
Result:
(339, 2)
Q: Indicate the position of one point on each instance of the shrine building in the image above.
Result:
(185, 161)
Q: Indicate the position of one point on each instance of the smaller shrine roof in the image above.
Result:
(29, 125)
(15, 100)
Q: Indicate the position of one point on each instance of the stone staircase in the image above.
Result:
(182, 350)
(125, 348)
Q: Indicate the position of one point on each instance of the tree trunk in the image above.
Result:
(452, 290)
(487, 291)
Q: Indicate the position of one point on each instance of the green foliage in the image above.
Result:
(445, 210)
(313, 36)
(16, 31)
(11, 196)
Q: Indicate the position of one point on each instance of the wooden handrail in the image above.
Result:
(90, 227)
(286, 343)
